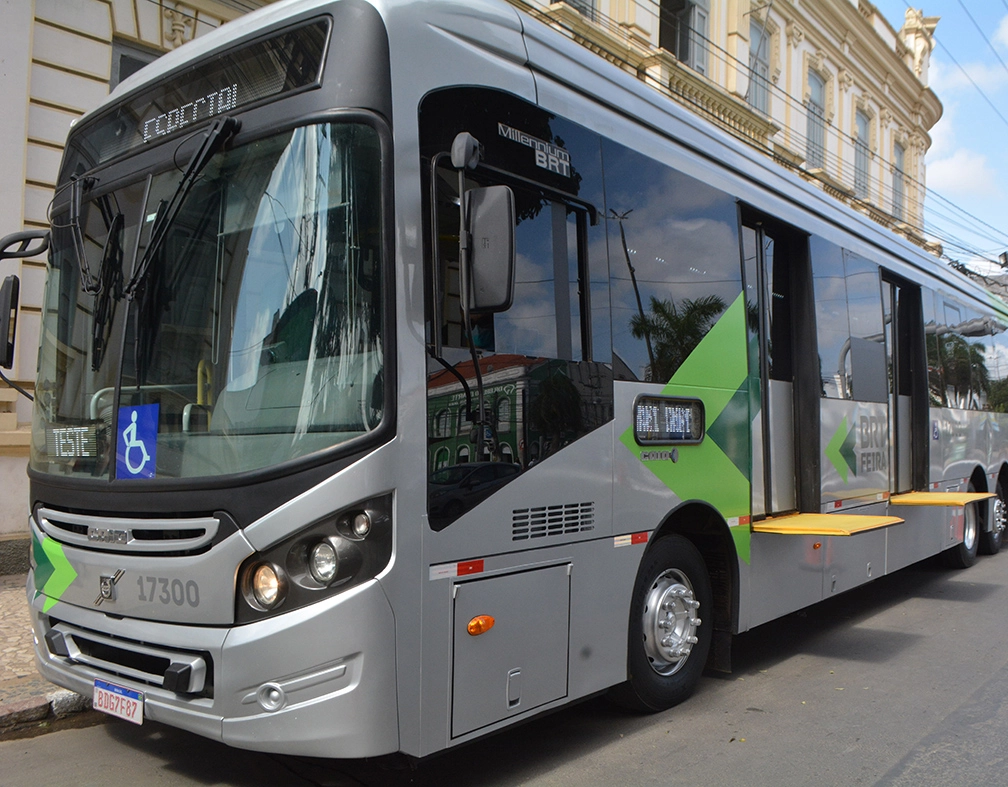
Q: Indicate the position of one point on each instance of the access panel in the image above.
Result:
(517, 663)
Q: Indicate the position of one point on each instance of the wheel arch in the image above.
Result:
(705, 527)
(979, 481)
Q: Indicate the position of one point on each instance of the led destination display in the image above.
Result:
(660, 420)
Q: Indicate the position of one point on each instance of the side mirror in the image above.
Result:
(491, 215)
(23, 240)
(8, 319)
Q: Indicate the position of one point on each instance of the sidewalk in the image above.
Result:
(25, 696)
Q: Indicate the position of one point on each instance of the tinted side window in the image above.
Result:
(962, 348)
(544, 362)
(997, 365)
(932, 340)
(832, 328)
(869, 382)
(674, 262)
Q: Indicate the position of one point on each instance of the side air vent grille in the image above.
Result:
(560, 520)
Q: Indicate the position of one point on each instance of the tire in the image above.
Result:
(668, 640)
(990, 541)
(964, 555)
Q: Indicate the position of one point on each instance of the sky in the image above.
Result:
(967, 163)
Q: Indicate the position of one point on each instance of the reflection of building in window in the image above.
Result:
(815, 150)
(441, 458)
(504, 415)
(441, 423)
(546, 404)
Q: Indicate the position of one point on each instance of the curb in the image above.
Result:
(14, 551)
(57, 704)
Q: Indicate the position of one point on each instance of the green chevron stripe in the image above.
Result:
(714, 373)
(840, 450)
(57, 572)
(43, 565)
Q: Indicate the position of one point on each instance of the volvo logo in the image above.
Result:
(106, 587)
(107, 535)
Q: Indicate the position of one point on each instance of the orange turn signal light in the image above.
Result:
(480, 624)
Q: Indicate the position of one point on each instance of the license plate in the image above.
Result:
(118, 701)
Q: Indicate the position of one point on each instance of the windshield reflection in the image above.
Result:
(254, 338)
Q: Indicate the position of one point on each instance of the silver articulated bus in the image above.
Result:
(407, 370)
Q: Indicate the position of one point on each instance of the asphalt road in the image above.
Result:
(902, 682)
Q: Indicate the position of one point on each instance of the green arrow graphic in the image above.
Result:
(840, 450)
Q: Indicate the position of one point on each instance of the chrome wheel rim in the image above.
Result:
(970, 528)
(670, 622)
(998, 517)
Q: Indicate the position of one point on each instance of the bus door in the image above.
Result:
(904, 340)
(777, 284)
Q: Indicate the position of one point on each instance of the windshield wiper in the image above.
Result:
(219, 133)
(90, 284)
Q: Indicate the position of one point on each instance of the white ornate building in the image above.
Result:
(827, 87)
(58, 59)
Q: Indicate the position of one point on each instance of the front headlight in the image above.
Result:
(323, 562)
(266, 586)
(345, 549)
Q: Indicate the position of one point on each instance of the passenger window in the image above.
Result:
(544, 362)
(997, 365)
(674, 262)
(932, 339)
(832, 327)
(869, 382)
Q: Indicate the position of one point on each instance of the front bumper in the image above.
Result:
(316, 681)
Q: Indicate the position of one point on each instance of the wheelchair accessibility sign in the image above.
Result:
(136, 441)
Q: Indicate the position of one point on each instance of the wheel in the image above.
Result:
(990, 541)
(964, 555)
(668, 640)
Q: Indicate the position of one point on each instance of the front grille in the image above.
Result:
(128, 535)
(558, 520)
(179, 671)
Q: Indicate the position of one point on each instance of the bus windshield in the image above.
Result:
(253, 338)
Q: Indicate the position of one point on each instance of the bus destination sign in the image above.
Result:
(665, 420)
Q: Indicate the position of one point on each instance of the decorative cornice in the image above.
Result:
(795, 34)
(179, 24)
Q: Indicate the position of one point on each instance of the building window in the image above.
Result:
(463, 454)
(683, 31)
(127, 59)
(503, 414)
(584, 7)
(442, 424)
(815, 154)
(861, 155)
(441, 458)
(759, 68)
(898, 182)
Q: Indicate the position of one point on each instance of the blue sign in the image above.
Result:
(136, 441)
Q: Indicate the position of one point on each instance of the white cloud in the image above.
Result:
(965, 173)
(1001, 36)
(944, 78)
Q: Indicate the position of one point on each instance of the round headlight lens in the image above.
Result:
(323, 562)
(361, 525)
(266, 586)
